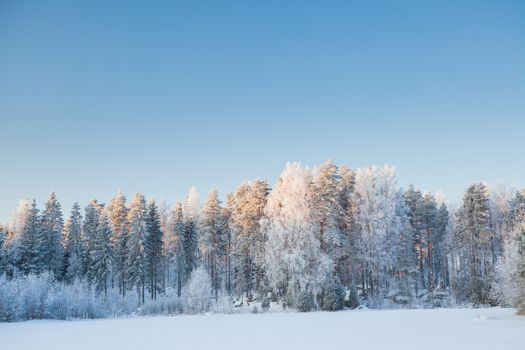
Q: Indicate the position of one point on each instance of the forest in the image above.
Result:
(322, 238)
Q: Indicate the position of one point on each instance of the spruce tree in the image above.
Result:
(51, 254)
(190, 234)
(101, 254)
(136, 260)
(30, 244)
(73, 250)
(153, 248)
(89, 234)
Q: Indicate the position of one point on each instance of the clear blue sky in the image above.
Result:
(161, 96)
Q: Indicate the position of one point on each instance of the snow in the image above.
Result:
(442, 329)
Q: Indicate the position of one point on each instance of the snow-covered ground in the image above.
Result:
(442, 329)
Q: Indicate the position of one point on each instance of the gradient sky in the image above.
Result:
(161, 96)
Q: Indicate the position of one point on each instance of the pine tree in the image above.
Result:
(153, 248)
(136, 262)
(473, 234)
(327, 211)
(118, 221)
(52, 226)
(73, 250)
(246, 211)
(210, 242)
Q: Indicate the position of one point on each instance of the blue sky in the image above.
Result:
(160, 96)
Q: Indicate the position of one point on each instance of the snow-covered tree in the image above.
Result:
(189, 242)
(473, 234)
(293, 257)
(378, 226)
(51, 227)
(177, 247)
(30, 243)
(153, 246)
(89, 233)
(198, 292)
(100, 254)
(211, 244)
(117, 214)
(246, 211)
(138, 230)
(327, 209)
(73, 249)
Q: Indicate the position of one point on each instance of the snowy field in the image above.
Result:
(463, 329)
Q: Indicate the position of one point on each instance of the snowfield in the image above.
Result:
(441, 329)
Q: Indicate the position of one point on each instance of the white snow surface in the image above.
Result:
(442, 329)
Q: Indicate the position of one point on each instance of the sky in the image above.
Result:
(97, 96)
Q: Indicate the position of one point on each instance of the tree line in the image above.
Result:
(320, 238)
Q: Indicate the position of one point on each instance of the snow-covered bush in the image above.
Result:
(333, 296)
(224, 304)
(197, 292)
(305, 302)
(163, 305)
(40, 296)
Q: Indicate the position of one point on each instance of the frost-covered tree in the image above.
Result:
(378, 226)
(73, 249)
(293, 257)
(246, 211)
(89, 234)
(100, 254)
(138, 230)
(191, 213)
(117, 214)
(3, 250)
(520, 273)
(198, 292)
(177, 247)
(327, 209)
(153, 248)
(51, 227)
(30, 243)
(14, 234)
(473, 234)
(211, 244)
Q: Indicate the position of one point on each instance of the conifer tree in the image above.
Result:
(117, 213)
(51, 254)
(31, 244)
(189, 237)
(211, 242)
(89, 234)
(99, 269)
(153, 248)
(73, 250)
(136, 262)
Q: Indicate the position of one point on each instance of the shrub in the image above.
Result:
(333, 296)
(305, 302)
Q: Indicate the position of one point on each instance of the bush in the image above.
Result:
(333, 296)
(197, 293)
(305, 302)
